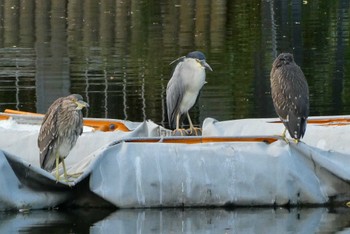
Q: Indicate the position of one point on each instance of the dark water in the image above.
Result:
(117, 54)
(250, 220)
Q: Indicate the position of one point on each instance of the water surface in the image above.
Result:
(240, 220)
(117, 54)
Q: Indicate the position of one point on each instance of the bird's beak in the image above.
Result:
(206, 65)
(81, 105)
(178, 59)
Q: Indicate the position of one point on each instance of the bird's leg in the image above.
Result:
(284, 136)
(64, 170)
(66, 175)
(177, 122)
(193, 130)
(177, 129)
(57, 163)
(190, 121)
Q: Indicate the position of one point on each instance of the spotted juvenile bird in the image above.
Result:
(183, 88)
(61, 127)
(290, 95)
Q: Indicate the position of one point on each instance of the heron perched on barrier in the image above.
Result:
(290, 95)
(61, 127)
(183, 88)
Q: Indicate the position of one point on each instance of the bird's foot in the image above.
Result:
(63, 178)
(75, 175)
(194, 131)
(179, 132)
(285, 139)
(296, 141)
(68, 178)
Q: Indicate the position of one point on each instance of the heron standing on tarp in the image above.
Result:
(183, 88)
(290, 95)
(61, 127)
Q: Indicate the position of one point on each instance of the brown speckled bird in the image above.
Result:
(290, 95)
(61, 127)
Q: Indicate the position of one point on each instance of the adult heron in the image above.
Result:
(61, 127)
(290, 95)
(183, 88)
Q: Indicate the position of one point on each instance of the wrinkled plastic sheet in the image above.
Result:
(119, 169)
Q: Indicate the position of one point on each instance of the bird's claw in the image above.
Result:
(179, 132)
(194, 131)
(187, 132)
(296, 141)
(67, 178)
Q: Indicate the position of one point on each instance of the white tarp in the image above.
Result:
(119, 171)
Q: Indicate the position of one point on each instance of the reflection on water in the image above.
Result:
(242, 220)
(53, 221)
(117, 54)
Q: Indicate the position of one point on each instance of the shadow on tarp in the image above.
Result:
(216, 220)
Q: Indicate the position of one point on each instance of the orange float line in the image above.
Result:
(325, 121)
(17, 112)
(97, 124)
(4, 117)
(197, 140)
(106, 125)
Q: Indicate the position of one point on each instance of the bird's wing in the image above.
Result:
(293, 101)
(299, 91)
(48, 134)
(297, 122)
(174, 94)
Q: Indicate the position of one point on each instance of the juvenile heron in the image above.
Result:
(61, 127)
(183, 88)
(290, 95)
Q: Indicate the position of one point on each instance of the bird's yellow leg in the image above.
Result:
(296, 141)
(66, 175)
(192, 128)
(177, 129)
(57, 163)
(284, 135)
(64, 170)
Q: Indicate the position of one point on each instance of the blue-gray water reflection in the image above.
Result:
(244, 220)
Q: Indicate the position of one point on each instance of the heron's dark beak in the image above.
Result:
(81, 105)
(178, 59)
(206, 65)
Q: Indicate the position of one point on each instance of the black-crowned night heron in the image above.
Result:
(61, 127)
(183, 88)
(290, 95)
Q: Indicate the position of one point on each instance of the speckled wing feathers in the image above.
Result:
(290, 96)
(48, 133)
